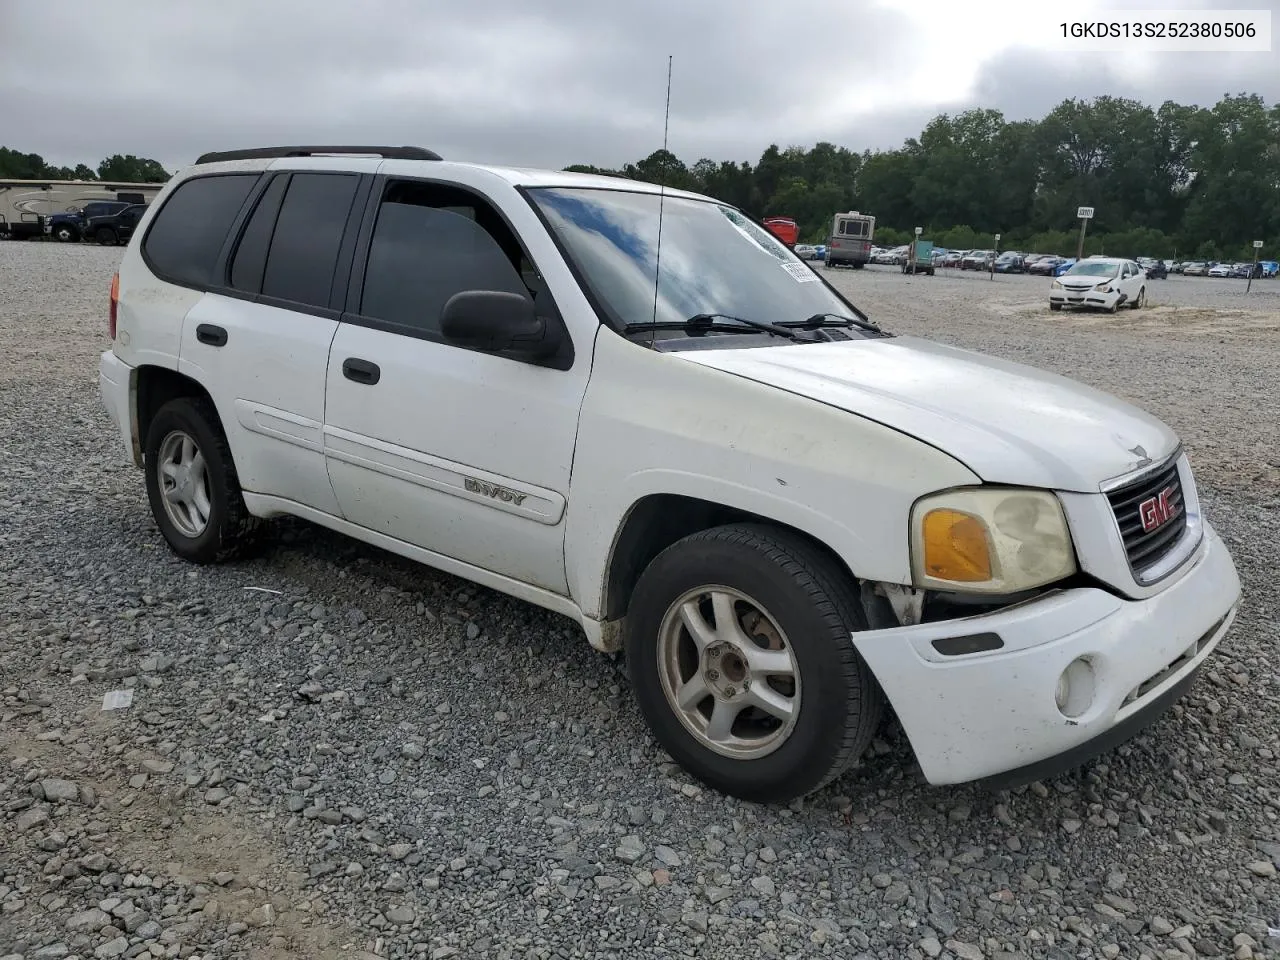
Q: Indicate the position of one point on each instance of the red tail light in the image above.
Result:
(115, 301)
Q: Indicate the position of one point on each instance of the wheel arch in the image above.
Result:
(656, 521)
(153, 387)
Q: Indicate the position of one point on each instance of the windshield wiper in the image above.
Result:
(831, 320)
(707, 321)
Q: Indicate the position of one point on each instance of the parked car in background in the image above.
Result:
(69, 227)
(1066, 264)
(114, 228)
(1195, 268)
(804, 251)
(1157, 270)
(1044, 266)
(1220, 270)
(1106, 283)
(978, 260)
(952, 258)
(820, 251)
(1011, 261)
(1269, 267)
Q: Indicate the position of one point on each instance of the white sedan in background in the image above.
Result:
(1105, 283)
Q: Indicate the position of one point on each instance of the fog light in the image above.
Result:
(1074, 694)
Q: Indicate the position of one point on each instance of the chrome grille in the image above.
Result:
(1145, 544)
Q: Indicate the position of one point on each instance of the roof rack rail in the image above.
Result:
(260, 153)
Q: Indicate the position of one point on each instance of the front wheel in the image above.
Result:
(1140, 300)
(1055, 306)
(738, 643)
(65, 234)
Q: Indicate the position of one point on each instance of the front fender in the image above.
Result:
(655, 423)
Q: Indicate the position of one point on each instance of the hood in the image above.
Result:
(1007, 422)
(1080, 281)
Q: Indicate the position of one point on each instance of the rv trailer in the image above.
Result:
(27, 205)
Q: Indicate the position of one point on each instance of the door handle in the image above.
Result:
(214, 336)
(361, 371)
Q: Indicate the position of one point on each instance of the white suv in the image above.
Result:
(696, 448)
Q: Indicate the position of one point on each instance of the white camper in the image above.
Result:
(25, 205)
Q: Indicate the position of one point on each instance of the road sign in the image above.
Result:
(1085, 213)
(920, 230)
(1257, 244)
(997, 238)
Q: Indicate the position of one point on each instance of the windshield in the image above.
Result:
(714, 260)
(1092, 268)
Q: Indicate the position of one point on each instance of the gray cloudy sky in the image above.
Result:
(553, 82)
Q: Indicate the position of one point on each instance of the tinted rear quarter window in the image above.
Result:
(308, 233)
(186, 235)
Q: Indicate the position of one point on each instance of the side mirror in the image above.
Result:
(493, 321)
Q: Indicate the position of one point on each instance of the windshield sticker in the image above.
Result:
(799, 272)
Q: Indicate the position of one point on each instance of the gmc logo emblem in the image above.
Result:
(1158, 510)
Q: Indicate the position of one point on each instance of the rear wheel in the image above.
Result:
(193, 486)
(739, 650)
(106, 236)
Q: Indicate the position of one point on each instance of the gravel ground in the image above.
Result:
(331, 752)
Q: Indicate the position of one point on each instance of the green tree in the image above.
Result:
(131, 169)
(1162, 180)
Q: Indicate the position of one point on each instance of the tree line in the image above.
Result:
(1171, 181)
(15, 165)
(1168, 181)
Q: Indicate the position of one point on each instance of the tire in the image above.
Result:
(1140, 300)
(65, 233)
(1055, 306)
(858, 264)
(808, 613)
(1115, 307)
(106, 236)
(228, 529)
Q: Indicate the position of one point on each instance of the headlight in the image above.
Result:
(990, 540)
(1057, 283)
(1104, 286)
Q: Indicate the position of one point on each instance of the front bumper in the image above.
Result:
(1083, 298)
(974, 716)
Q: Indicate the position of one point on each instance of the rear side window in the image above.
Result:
(308, 233)
(186, 236)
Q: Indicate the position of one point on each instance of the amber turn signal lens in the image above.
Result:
(956, 547)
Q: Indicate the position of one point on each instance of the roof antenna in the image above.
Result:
(662, 193)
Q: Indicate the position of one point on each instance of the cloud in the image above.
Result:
(547, 84)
